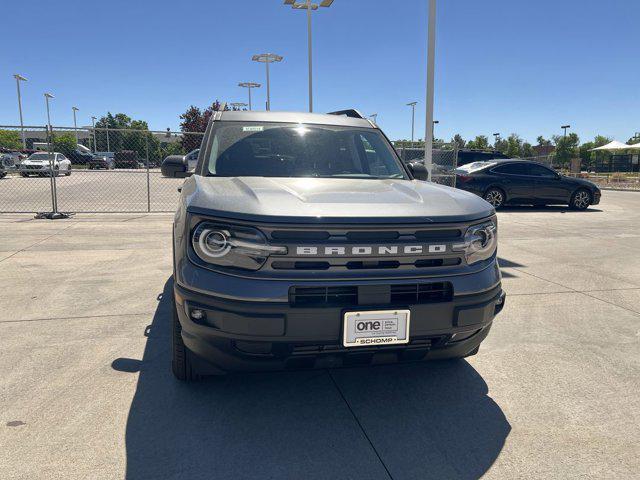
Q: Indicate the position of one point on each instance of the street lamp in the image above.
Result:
(238, 105)
(413, 117)
(249, 86)
(75, 125)
(564, 127)
(309, 6)
(267, 58)
(375, 117)
(496, 137)
(431, 60)
(435, 122)
(93, 122)
(20, 78)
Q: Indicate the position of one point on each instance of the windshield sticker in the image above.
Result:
(252, 129)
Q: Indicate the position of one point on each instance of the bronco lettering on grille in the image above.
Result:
(372, 250)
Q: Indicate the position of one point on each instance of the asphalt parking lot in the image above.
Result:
(92, 191)
(86, 390)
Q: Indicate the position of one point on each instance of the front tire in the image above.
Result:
(495, 197)
(181, 364)
(580, 200)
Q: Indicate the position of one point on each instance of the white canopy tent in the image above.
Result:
(613, 146)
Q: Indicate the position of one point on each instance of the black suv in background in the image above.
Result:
(523, 182)
(302, 241)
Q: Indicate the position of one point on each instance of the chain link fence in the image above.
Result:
(89, 170)
(444, 158)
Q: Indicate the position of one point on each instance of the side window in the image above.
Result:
(540, 171)
(61, 157)
(512, 169)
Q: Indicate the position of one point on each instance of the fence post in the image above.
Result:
(148, 179)
(54, 193)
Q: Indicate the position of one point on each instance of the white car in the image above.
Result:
(39, 163)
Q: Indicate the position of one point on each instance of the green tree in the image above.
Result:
(458, 141)
(10, 139)
(64, 143)
(514, 146)
(501, 145)
(481, 142)
(587, 157)
(566, 148)
(543, 142)
(527, 150)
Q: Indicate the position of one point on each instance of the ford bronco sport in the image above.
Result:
(301, 241)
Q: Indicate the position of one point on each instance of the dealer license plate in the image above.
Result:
(375, 328)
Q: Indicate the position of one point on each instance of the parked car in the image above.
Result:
(80, 157)
(6, 164)
(40, 163)
(101, 162)
(523, 182)
(14, 158)
(127, 159)
(301, 241)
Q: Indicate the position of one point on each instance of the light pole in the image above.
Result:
(433, 128)
(249, 86)
(238, 105)
(413, 117)
(20, 78)
(93, 122)
(309, 7)
(496, 137)
(75, 125)
(565, 127)
(267, 58)
(431, 60)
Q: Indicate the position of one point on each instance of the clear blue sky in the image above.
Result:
(502, 65)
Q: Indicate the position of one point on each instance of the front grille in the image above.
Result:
(400, 294)
(422, 293)
(323, 296)
(33, 167)
(321, 255)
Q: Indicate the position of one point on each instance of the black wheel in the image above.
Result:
(68, 172)
(181, 364)
(3, 174)
(495, 197)
(580, 200)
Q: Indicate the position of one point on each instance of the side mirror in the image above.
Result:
(418, 170)
(175, 166)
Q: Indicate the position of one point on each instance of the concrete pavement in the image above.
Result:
(86, 390)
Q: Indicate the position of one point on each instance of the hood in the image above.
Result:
(580, 181)
(330, 200)
(37, 162)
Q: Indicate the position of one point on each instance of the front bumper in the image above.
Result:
(262, 335)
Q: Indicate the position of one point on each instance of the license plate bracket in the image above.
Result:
(376, 328)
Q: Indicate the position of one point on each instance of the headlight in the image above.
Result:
(232, 246)
(480, 241)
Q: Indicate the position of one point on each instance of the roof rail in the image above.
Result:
(349, 113)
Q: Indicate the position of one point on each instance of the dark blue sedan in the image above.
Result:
(523, 182)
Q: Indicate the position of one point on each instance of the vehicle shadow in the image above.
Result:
(422, 420)
(547, 208)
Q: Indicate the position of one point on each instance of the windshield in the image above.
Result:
(41, 156)
(300, 150)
